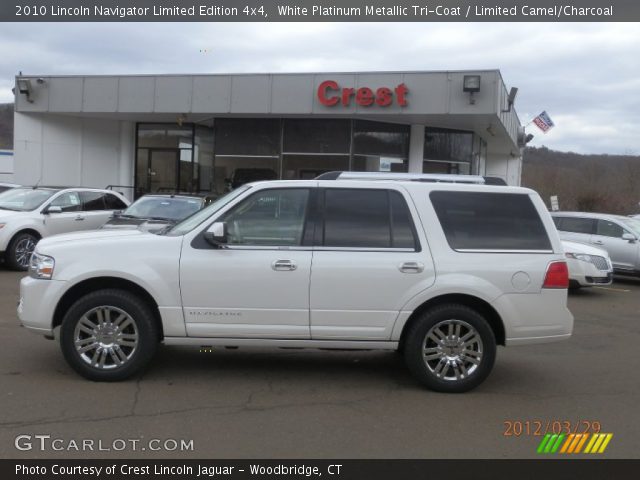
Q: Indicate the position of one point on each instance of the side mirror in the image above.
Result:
(216, 234)
(53, 210)
(628, 236)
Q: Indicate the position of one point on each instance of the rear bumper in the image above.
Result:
(535, 318)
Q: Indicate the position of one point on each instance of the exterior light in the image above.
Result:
(471, 85)
(24, 87)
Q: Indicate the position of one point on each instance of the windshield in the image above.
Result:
(193, 221)
(163, 208)
(24, 199)
(632, 224)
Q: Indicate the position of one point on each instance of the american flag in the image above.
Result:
(544, 122)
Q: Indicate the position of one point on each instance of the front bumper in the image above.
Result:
(586, 274)
(38, 301)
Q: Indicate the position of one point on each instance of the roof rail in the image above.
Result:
(412, 177)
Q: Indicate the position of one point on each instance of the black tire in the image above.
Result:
(112, 342)
(473, 360)
(19, 251)
(574, 285)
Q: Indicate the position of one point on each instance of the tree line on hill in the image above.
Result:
(586, 183)
(6, 126)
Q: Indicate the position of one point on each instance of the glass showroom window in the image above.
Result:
(203, 160)
(164, 159)
(312, 147)
(448, 151)
(380, 147)
(247, 150)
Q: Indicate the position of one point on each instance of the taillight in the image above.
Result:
(557, 276)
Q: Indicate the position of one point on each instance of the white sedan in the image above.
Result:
(588, 266)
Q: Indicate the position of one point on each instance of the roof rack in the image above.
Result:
(412, 177)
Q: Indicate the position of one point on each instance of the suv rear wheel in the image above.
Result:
(108, 335)
(450, 348)
(19, 251)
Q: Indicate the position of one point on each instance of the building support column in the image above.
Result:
(126, 159)
(416, 148)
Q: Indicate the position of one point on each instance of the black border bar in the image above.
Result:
(319, 11)
(542, 468)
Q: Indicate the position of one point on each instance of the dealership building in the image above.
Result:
(210, 133)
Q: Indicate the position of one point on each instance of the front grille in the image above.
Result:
(600, 262)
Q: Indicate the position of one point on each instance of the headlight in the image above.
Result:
(579, 256)
(41, 266)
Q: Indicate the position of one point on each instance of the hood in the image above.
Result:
(91, 235)
(145, 224)
(575, 247)
(6, 215)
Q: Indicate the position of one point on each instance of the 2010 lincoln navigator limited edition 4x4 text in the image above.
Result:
(441, 269)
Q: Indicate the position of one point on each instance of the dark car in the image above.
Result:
(7, 186)
(247, 175)
(155, 212)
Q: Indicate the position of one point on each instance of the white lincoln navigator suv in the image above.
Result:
(440, 268)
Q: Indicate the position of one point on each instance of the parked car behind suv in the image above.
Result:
(156, 212)
(443, 272)
(7, 186)
(588, 265)
(28, 214)
(616, 234)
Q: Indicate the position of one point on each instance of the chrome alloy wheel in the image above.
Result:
(452, 350)
(106, 337)
(24, 249)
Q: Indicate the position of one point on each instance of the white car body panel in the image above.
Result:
(148, 260)
(237, 293)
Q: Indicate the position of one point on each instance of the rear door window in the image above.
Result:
(92, 201)
(490, 221)
(367, 218)
(576, 225)
(114, 203)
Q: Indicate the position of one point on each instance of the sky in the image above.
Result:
(585, 75)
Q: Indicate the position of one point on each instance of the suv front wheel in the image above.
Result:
(108, 335)
(450, 348)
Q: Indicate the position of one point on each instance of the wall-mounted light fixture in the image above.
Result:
(471, 85)
(511, 98)
(24, 87)
(523, 137)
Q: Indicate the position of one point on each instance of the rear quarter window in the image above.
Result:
(490, 221)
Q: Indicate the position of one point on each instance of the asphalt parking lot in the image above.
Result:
(314, 404)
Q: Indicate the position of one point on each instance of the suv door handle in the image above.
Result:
(79, 218)
(411, 267)
(598, 242)
(283, 265)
